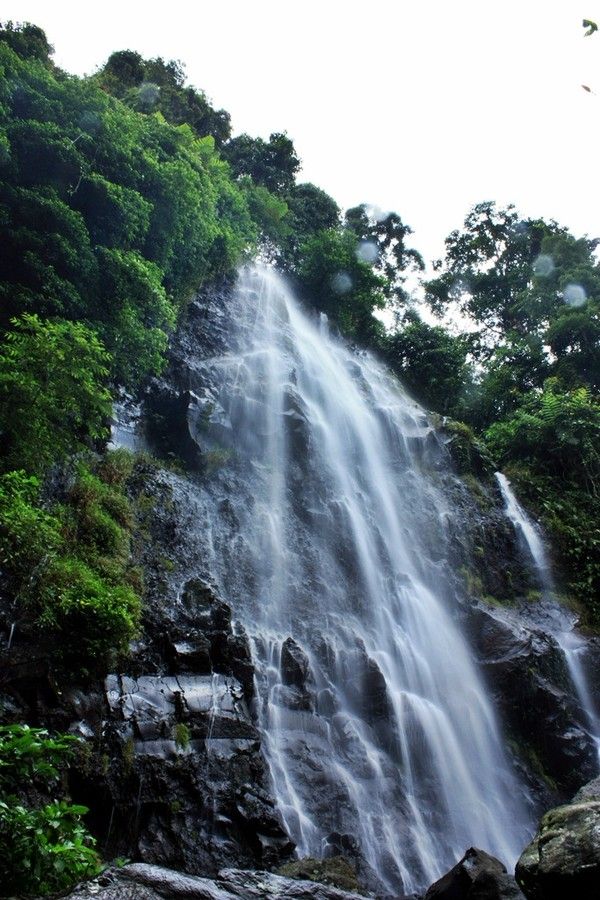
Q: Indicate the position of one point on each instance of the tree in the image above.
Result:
(310, 210)
(273, 163)
(29, 41)
(54, 398)
(336, 281)
(383, 243)
(430, 362)
(156, 85)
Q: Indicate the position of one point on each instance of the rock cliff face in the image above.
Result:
(511, 627)
(176, 773)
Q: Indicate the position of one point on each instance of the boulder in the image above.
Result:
(478, 876)
(563, 860)
(140, 881)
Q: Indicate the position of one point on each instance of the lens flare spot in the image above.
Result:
(458, 288)
(543, 266)
(341, 283)
(367, 252)
(148, 94)
(574, 295)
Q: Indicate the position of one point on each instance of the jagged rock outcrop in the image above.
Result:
(563, 860)
(478, 876)
(174, 772)
(527, 671)
(146, 882)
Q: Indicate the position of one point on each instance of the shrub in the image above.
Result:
(46, 848)
(86, 616)
(27, 532)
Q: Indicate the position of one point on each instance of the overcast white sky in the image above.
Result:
(422, 107)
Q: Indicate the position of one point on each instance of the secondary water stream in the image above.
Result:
(572, 644)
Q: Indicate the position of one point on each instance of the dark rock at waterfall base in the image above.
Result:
(563, 860)
(526, 670)
(174, 774)
(147, 882)
(336, 871)
(478, 876)
(347, 847)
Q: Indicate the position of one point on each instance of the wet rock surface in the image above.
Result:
(563, 860)
(478, 876)
(148, 882)
(176, 775)
(527, 672)
(174, 772)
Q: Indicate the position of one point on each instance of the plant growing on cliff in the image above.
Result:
(44, 847)
(70, 566)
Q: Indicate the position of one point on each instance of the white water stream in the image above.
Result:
(572, 645)
(340, 541)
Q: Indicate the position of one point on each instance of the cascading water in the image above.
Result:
(328, 536)
(572, 645)
(527, 531)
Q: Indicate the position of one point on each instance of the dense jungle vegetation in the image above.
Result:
(121, 194)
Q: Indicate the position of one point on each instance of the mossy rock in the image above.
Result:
(469, 454)
(337, 871)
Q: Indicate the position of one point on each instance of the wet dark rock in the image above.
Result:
(478, 876)
(345, 846)
(563, 860)
(526, 670)
(139, 881)
(376, 704)
(589, 791)
(173, 421)
(295, 668)
(264, 885)
(188, 784)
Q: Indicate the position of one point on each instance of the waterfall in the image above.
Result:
(527, 531)
(572, 645)
(328, 533)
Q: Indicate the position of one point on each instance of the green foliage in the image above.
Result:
(182, 735)
(28, 40)
(43, 848)
(272, 164)
(108, 215)
(551, 444)
(311, 210)
(30, 753)
(469, 453)
(27, 532)
(558, 431)
(269, 212)
(70, 567)
(53, 398)
(590, 26)
(384, 236)
(153, 85)
(430, 362)
(88, 617)
(336, 281)
(531, 293)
